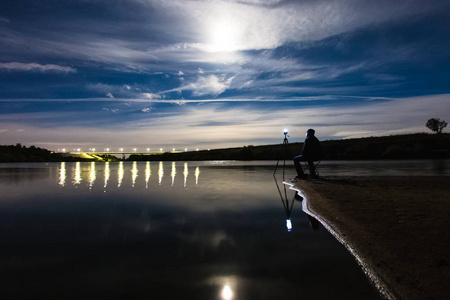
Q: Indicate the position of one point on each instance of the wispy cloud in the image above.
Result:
(216, 124)
(212, 85)
(242, 26)
(30, 67)
(151, 96)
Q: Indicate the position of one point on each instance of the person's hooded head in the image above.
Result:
(310, 132)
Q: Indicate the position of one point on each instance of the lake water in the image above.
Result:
(173, 230)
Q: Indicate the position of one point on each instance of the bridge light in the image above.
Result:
(78, 150)
(134, 150)
(173, 149)
(64, 150)
(160, 149)
(185, 149)
(93, 149)
(107, 149)
(121, 149)
(148, 149)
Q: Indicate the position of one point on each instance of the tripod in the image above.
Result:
(287, 206)
(283, 154)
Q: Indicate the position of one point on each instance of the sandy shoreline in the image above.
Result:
(397, 228)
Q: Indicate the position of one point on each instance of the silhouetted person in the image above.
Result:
(312, 151)
(313, 222)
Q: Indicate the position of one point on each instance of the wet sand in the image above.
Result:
(398, 228)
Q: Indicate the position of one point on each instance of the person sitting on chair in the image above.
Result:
(312, 151)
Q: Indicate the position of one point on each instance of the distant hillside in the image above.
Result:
(411, 146)
(19, 153)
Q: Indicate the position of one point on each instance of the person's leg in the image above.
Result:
(298, 166)
(311, 168)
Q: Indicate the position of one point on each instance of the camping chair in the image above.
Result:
(315, 165)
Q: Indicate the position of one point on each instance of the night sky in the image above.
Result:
(212, 74)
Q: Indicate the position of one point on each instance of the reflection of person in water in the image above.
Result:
(312, 221)
(312, 151)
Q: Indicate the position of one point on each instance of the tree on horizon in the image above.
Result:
(436, 125)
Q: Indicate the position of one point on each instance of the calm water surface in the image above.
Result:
(195, 230)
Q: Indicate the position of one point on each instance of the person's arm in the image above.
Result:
(306, 150)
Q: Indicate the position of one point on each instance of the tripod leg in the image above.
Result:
(283, 155)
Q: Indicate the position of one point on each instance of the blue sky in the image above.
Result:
(211, 74)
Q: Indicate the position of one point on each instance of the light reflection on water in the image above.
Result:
(213, 230)
(326, 168)
(107, 175)
(92, 171)
(62, 174)
(148, 173)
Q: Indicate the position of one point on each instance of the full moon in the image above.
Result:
(224, 37)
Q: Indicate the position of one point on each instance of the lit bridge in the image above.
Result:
(103, 155)
(118, 152)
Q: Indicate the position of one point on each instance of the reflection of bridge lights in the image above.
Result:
(92, 175)
(62, 174)
(77, 175)
(160, 172)
(107, 174)
(148, 173)
(185, 173)
(123, 170)
(134, 174)
(197, 173)
(174, 172)
(120, 174)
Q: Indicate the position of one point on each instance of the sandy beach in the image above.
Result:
(396, 227)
